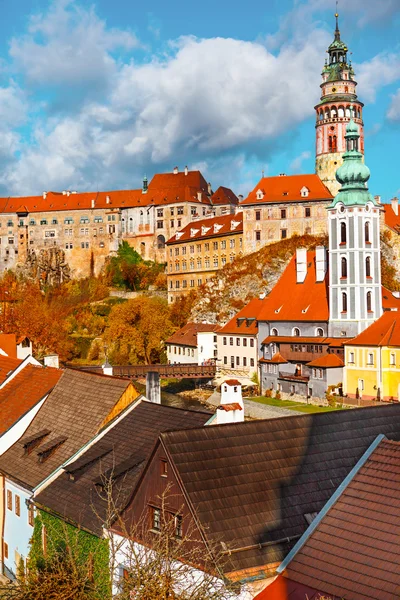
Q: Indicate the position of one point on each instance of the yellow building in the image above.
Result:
(372, 360)
(199, 250)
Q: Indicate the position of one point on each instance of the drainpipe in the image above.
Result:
(380, 373)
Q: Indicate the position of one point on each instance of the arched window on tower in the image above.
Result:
(367, 233)
(334, 112)
(346, 90)
(341, 112)
(334, 143)
(330, 143)
(343, 233)
(344, 302)
(368, 267)
(348, 112)
(369, 302)
(327, 114)
(344, 268)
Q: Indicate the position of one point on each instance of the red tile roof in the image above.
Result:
(209, 228)
(24, 391)
(327, 361)
(287, 188)
(354, 551)
(193, 179)
(391, 219)
(389, 301)
(241, 323)
(224, 195)
(290, 339)
(277, 359)
(8, 343)
(7, 366)
(291, 301)
(187, 335)
(230, 407)
(232, 382)
(286, 589)
(383, 332)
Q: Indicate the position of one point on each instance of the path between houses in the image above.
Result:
(254, 410)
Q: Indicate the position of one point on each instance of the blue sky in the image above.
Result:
(93, 95)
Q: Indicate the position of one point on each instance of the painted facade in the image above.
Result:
(339, 103)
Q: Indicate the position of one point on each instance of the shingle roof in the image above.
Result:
(24, 391)
(209, 228)
(287, 188)
(224, 195)
(252, 483)
(245, 322)
(187, 335)
(354, 551)
(385, 331)
(129, 443)
(76, 408)
(292, 301)
(7, 366)
(327, 361)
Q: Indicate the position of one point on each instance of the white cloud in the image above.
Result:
(69, 45)
(374, 74)
(393, 112)
(296, 164)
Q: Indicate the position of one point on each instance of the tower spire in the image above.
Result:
(337, 31)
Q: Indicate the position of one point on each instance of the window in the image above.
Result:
(207, 247)
(32, 222)
(251, 343)
(178, 526)
(5, 549)
(172, 211)
(207, 263)
(193, 210)
(9, 500)
(283, 234)
(199, 282)
(160, 224)
(215, 245)
(307, 212)
(238, 361)
(392, 359)
(84, 220)
(172, 223)
(252, 362)
(192, 283)
(370, 358)
(244, 341)
(231, 243)
(184, 250)
(224, 341)
(98, 219)
(225, 360)
(344, 268)
(237, 341)
(344, 302)
(351, 358)
(198, 247)
(216, 261)
(367, 233)
(199, 263)
(343, 233)
(283, 213)
(368, 266)
(10, 224)
(180, 210)
(163, 468)
(258, 236)
(369, 302)
(51, 234)
(160, 212)
(54, 222)
(244, 361)
(43, 222)
(191, 249)
(319, 332)
(17, 505)
(258, 215)
(296, 332)
(231, 341)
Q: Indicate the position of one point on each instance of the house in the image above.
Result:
(194, 343)
(199, 250)
(15, 346)
(373, 360)
(78, 406)
(251, 487)
(284, 206)
(237, 342)
(350, 548)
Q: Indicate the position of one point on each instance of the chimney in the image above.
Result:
(68, 192)
(262, 296)
(231, 408)
(93, 203)
(44, 195)
(395, 205)
(107, 199)
(186, 170)
(199, 196)
(209, 189)
(282, 174)
(51, 361)
(301, 264)
(320, 263)
(153, 390)
(378, 199)
(240, 197)
(64, 192)
(176, 171)
(107, 368)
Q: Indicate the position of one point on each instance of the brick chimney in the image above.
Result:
(301, 264)
(395, 205)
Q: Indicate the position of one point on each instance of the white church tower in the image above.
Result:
(355, 293)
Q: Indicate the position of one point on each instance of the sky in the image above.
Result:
(95, 95)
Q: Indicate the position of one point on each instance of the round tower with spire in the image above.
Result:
(355, 292)
(334, 111)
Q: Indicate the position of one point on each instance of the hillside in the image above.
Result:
(246, 278)
(251, 275)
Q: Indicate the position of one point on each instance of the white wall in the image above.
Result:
(206, 346)
(181, 354)
(236, 351)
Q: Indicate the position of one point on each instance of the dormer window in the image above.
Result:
(259, 194)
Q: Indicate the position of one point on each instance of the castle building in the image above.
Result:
(338, 104)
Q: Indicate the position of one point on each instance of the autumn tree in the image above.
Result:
(129, 270)
(137, 329)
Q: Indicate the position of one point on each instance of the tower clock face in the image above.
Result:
(333, 90)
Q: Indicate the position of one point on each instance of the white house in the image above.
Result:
(195, 343)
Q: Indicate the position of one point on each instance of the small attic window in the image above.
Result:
(304, 192)
(31, 442)
(259, 194)
(50, 447)
(285, 194)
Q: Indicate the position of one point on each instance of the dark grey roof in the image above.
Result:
(251, 484)
(120, 453)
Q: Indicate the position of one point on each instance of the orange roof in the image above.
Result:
(7, 366)
(230, 407)
(193, 179)
(209, 228)
(277, 359)
(24, 391)
(232, 382)
(389, 301)
(187, 335)
(291, 301)
(287, 188)
(327, 361)
(383, 332)
(224, 195)
(391, 219)
(245, 322)
(291, 339)
(8, 343)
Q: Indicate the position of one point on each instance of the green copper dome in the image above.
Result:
(353, 174)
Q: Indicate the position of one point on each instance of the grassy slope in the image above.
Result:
(297, 406)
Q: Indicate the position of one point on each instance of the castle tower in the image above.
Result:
(334, 112)
(355, 293)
